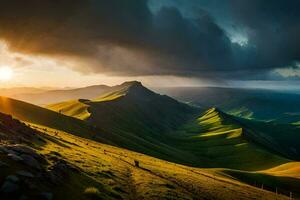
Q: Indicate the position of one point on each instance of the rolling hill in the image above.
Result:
(64, 166)
(133, 117)
(206, 139)
(10, 92)
(42, 97)
(132, 108)
(32, 114)
(225, 142)
(38, 115)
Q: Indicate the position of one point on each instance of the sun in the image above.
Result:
(6, 73)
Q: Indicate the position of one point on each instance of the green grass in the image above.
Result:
(278, 137)
(212, 140)
(271, 182)
(162, 127)
(38, 115)
(223, 143)
(73, 108)
(155, 125)
(108, 172)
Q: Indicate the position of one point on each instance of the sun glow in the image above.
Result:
(6, 73)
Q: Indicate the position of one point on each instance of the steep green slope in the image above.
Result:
(131, 107)
(284, 138)
(38, 115)
(69, 167)
(138, 116)
(285, 182)
(74, 108)
(166, 127)
(108, 133)
(225, 143)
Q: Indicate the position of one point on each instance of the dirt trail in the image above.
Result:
(131, 183)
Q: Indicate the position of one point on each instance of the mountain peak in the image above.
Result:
(132, 84)
(135, 88)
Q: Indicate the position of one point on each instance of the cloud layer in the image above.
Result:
(183, 38)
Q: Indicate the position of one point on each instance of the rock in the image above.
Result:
(29, 151)
(9, 187)
(14, 157)
(12, 178)
(30, 161)
(23, 149)
(7, 151)
(3, 164)
(46, 196)
(25, 174)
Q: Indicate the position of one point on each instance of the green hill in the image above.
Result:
(135, 118)
(131, 107)
(280, 137)
(226, 143)
(108, 134)
(167, 127)
(62, 166)
(38, 115)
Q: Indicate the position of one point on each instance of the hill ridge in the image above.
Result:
(251, 134)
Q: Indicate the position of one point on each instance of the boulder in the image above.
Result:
(25, 174)
(30, 161)
(21, 149)
(3, 164)
(5, 149)
(14, 157)
(9, 187)
(12, 178)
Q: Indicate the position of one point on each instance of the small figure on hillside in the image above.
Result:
(136, 163)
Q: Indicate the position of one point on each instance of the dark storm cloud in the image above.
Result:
(273, 29)
(127, 38)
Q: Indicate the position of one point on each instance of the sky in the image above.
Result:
(67, 43)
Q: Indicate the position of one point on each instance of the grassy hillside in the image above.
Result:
(284, 138)
(38, 115)
(75, 108)
(131, 107)
(224, 142)
(209, 141)
(69, 167)
(284, 179)
(138, 119)
(291, 169)
(138, 116)
(162, 127)
(112, 135)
